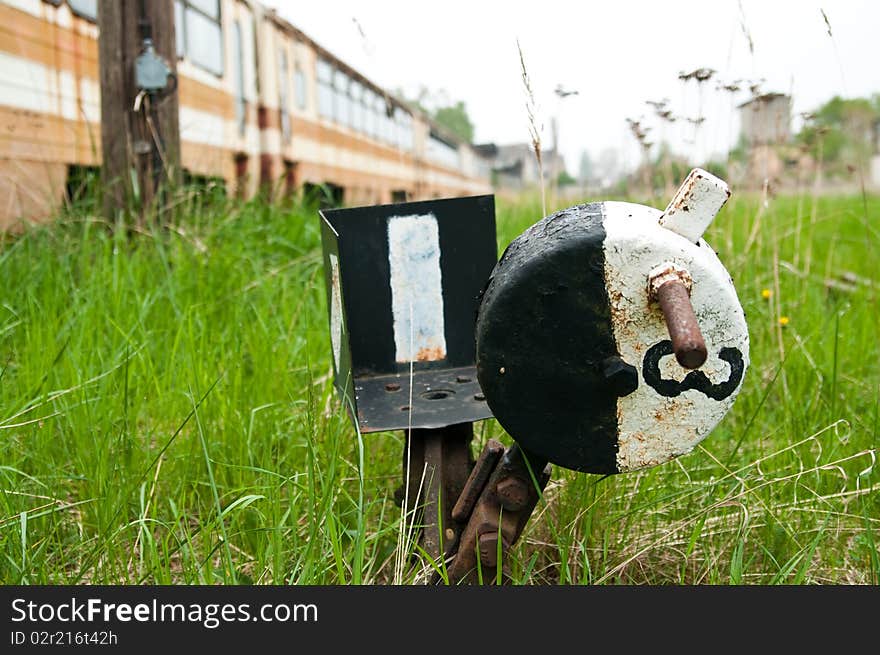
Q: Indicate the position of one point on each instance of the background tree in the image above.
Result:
(565, 179)
(438, 106)
(842, 132)
(455, 118)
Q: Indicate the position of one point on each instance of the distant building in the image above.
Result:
(765, 125)
(515, 166)
(766, 119)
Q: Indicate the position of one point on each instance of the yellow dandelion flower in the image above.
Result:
(766, 293)
(783, 320)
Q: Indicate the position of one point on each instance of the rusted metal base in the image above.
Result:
(498, 515)
(470, 513)
(436, 465)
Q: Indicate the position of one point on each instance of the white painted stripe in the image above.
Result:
(187, 69)
(437, 178)
(32, 7)
(201, 127)
(61, 15)
(64, 17)
(252, 138)
(270, 141)
(653, 429)
(67, 96)
(416, 288)
(308, 150)
(335, 310)
(90, 103)
(29, 85)
(26, 84)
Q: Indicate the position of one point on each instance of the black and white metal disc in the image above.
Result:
(574, 358)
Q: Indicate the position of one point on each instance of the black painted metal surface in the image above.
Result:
(545, 347)
(440, 397)
(359, 240)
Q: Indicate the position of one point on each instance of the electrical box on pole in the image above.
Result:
(140, 133)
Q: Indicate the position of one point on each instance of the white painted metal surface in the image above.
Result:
(653, 428)
(695, 204)
(416, 288)
(335, 309)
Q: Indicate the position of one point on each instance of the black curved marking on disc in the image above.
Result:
(545, 344)
(696, 380)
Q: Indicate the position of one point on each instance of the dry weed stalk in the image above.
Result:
(534, 128)
(664, 113)
(640, 133)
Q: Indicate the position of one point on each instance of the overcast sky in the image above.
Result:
(617, 54)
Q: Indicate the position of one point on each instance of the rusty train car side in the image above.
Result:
(261, 103)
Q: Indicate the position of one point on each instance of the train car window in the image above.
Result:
(349, 116)
(202, 37)
(324, 73)
(378, 108)
(370, 112)
(367, 112)
(211, 8)
(390, 128)
(253, 49)
(405, 131)
(395, 129)
(179, 29)
(85, 8)
(238, 62)
(299, 86)
(378, 115)
(443, 152)
(357, 106)
(340, 97)
(284, 93)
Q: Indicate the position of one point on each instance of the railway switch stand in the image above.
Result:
(608, 338)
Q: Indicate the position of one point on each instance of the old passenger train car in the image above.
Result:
(260, 103)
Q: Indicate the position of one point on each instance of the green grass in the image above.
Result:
(167, 416)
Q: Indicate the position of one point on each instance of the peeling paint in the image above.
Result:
(335, 309)
(416, 288)
(695, 204)
(430, 354)
(652, 428)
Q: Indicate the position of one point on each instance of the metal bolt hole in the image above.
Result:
(437, 394)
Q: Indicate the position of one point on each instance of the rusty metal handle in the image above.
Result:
(483, 468)
(684, 331)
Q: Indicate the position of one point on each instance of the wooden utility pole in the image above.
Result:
(138, 134)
